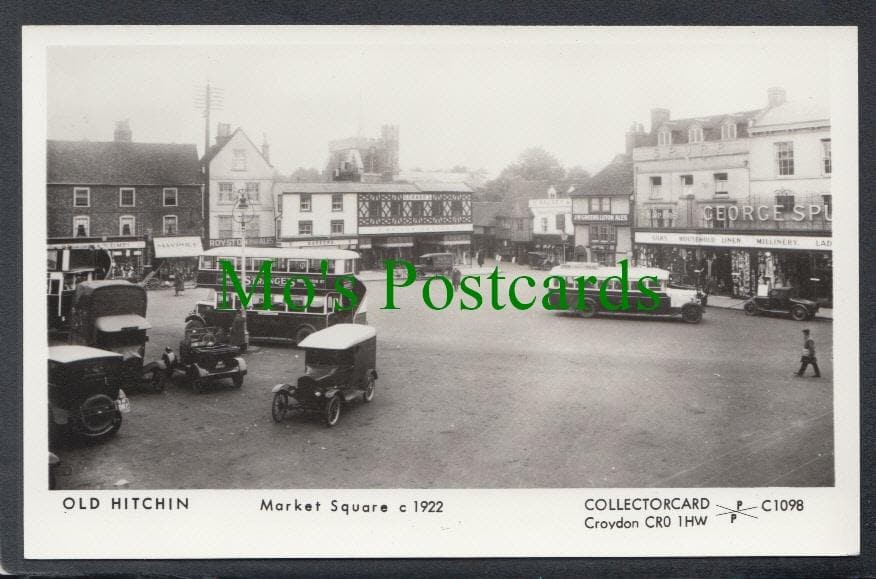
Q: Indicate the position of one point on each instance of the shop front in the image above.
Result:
(741, 265)
(176, 256)
(119, 259)
(557, 246)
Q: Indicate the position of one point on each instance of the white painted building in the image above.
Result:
(552, 229)
(317, 214)
(232, 165)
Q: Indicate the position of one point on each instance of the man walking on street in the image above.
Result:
(808, 356)
(455, 276)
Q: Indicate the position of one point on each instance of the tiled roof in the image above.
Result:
(222, 141)
(615, 179)
(121, 163)
(438, 187)
(515, 209)
(711, 127)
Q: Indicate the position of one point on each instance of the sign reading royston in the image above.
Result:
(235, 242)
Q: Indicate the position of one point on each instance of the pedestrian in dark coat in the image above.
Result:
(808, 356)
(455, 276)
(480, 259)
(238, 335)
(179, 285)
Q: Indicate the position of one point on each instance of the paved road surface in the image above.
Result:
(497, 399)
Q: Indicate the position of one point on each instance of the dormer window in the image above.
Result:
(695, 134)
(664, 137)
(728, 131)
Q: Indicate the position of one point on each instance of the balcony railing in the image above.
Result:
(809, 212)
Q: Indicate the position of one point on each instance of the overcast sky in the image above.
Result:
(477, 101)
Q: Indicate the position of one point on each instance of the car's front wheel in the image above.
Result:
(692, 314)
(333, 410)
(799, 313)
(368, 395)
(99, 417)
(750, 308)
(590, 307)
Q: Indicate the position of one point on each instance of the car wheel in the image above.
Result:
(158, 380)
(750, 308)
(590, 307)
(99, 417)
(238, 380)
(692, 314)
(195, 324)
(280, 405)
(333, 410)
(302, 333)
(799, 313)
(368, 395)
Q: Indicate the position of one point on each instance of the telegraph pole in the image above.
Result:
(207, 99)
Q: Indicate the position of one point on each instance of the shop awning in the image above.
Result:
(178, 247)
(395, 242)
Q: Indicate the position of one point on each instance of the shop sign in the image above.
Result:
(177, 246)
(424, 228)
(600, 218)
(798, 242)
(99, 245)
(326, 242)
(562, 202)
(250, 241)
(766, 212)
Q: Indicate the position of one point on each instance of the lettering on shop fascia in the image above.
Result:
(766, 212)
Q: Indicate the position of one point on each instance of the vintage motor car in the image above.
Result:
(539, 260)
(432, 263)
(110, 315)
(340, 366)
(204, 358)
(782, 301)
(85, 391)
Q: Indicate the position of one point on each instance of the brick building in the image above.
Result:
(108, 201)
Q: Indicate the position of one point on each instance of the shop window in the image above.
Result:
(721, 185)
(728, 132)
(602, 233)
(337, 202)
(656, 187)
(81, 225)
(238, 160)
(252, 191)
(81, 197)
(126, 197)
(226, 226)
(784, 158)
(126, 225)
(826, 165)
(305, 228)
(337, 227)
(170, 196)
(226, 192)
(305, 204)
(170, 225)
(604, 258)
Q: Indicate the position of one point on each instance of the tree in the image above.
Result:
(578, 173)
(534, 164)
(304, 175)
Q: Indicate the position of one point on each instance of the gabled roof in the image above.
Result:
(616, 178)
(214, 150)
(121, 163)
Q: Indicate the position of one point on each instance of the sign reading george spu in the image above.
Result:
(766, 212)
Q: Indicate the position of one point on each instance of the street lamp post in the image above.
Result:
(243, 214)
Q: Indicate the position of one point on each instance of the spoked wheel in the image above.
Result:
(750, 308)
(158, 380)
(368, 396)
(333, 411)
(692, 315)
(280, 405)
(799, 313)
(99, 417)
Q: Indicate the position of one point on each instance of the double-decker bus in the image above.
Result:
(281, 323)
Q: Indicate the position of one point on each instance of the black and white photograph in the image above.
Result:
(485, 260)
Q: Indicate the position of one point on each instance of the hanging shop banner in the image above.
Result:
(732, 240)
(177, 247)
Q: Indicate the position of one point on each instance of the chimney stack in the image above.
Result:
(223, 133)
(266, 148)
(776, 96)
(122, 133)
(658, 117)
(634, 137)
